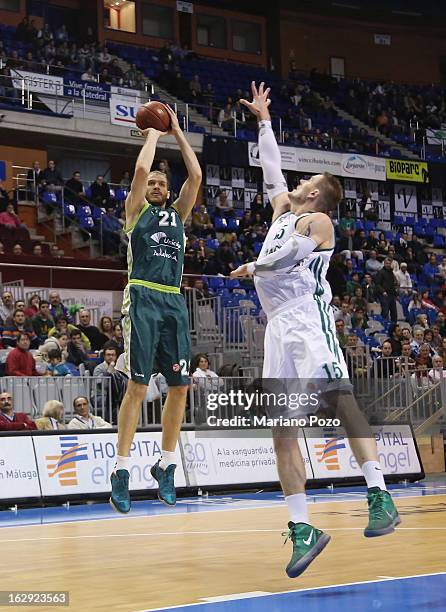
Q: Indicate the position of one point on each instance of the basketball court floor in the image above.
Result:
(225, 554)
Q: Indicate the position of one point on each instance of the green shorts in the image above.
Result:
(155, 325)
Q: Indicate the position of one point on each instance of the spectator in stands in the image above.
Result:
(44, 35)
(17, 326)
(437, 372)
(358, 301)
(54, 250)
(4, 196)
(442, 349)
(431, 270)
(42, 322)
(372, 265)
(58, 341)
(52, 416)
(202, 369)
(423, 362)
(83, 419)
(33, 306)
(418, 340)
(17, 250)
(10, 219)
(20, 361)
(427, 303)
(224, 208)
(6, 307)
(118, 338)
(11, 420)
(62, 325)
(340, 333)
(226, 258)
(57, 367)
(126, 181)
(111, 232)
(77, 351)
(2, 251)
(359, 319)
(386, 290)
(437, 340)
(51, 178)
(225, 119)
(34, 179)
(391, 256)
(37, 250)
(201, 221)
(97, 339)
(395, 339)
(358, 362)
(385, 365)
(57, 309)
(104, 56)
(100, 192)
(110, 358)
(345, 314)
(403, 279)
(88, 76)
(369, 289)
(106, 327)
(74, 189)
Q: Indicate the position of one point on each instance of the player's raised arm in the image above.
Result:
(189, 191)
(136, 198)
(269, 153)
(316, 232)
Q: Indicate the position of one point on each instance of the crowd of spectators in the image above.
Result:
(55, 51)
(41, 339)
(399, 282)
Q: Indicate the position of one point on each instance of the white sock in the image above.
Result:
(298, 508)
(373, 475)
(122, 463)
(167, 458)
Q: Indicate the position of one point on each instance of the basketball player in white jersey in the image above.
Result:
(300, 339)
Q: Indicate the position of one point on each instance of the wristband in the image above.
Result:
(250, 267)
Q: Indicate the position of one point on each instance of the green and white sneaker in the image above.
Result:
(383, 515)
(308, 542)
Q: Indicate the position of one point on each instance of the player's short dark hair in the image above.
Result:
(61, 318)
(331, 192)
(54, 354)
(43, 302)
(21, 335)
(75, 332)
(16, 311)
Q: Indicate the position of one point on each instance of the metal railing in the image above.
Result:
(31, 393)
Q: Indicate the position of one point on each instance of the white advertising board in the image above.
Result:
(314, 161)
(231, 457)
(18, 470)
(71, 463)
(37, 83)
(332, 457)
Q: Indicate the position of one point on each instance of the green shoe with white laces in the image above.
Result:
(308, 542)
(383, 516)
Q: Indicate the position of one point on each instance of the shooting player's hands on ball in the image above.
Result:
(260, 101)
(175, 125)
(240, 272)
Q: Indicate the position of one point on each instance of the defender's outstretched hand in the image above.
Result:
(240, 272)
(260, 101)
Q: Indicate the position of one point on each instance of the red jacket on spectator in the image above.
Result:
(7, 219)
(20, 363)
(19, 421)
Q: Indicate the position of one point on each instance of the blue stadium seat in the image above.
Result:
(220, 224)
(84, 211)
(49, 197)
(216, 282)
(86, 223)
(69, 210)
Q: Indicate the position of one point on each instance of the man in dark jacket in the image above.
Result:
(51, 177)
(100, 192)
(387, 288)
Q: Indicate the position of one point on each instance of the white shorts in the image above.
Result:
(301, 343)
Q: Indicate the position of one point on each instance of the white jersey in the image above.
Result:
(307, 277)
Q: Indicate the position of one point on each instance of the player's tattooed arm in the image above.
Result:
(319, 227)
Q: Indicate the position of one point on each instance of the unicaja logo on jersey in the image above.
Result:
(64, 466)
(157, 237)
(328, 452)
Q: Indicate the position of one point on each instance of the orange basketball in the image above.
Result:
(153, 115)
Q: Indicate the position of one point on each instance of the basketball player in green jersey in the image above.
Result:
(155, 322)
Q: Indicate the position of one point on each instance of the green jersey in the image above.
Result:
(155, 254)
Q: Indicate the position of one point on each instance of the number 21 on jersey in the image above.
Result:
(167, 218)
